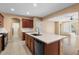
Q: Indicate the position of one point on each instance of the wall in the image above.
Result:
(44, 25)
(48, 26)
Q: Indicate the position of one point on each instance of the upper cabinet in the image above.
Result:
(27, 23)
(1, 20)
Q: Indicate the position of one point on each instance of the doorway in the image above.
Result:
(16, 29)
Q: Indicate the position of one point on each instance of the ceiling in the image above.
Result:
(27, 9)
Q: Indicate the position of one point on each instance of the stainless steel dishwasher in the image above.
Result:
(39, 48)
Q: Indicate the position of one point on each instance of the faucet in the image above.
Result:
(37, 30)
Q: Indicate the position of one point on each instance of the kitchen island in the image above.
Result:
(44, 44)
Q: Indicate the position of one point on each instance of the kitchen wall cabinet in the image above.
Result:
(40, 48)
(1, 20)
(26, 23)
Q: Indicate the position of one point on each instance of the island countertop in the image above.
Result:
(47, 37)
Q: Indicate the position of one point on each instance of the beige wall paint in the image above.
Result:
(57, 27)
(48, 26)
(7, 26)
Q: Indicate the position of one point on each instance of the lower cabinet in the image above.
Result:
(0, 44)
(40, 48)
(26, 39)
(23, 35)
(29, 41)
(52, 49)
(32, 45)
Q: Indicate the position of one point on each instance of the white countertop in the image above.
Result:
(48, 38)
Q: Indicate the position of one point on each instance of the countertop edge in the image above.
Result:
(45, 41)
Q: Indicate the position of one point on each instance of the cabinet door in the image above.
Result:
(23, 36)
(26, 23)
(52, 49)
(32, 45)
(26, 40)
(0, 44)
(1, 20)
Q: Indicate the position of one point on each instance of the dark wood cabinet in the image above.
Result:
(0, 44)
(23, 35)
(29, 41)
(26, 39)
(1, 20)
(26, 23)
(52, 49)
(32, 46)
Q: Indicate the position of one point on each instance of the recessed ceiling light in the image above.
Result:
(35, 5)
(28, 13)
(12, 9)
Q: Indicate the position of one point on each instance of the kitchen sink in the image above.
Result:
(37, 34)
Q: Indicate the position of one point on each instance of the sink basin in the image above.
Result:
(37, 34)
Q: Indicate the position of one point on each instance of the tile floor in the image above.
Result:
(70, 45)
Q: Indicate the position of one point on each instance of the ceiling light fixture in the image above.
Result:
(28, 13)
(12, 9)
(35, 5)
